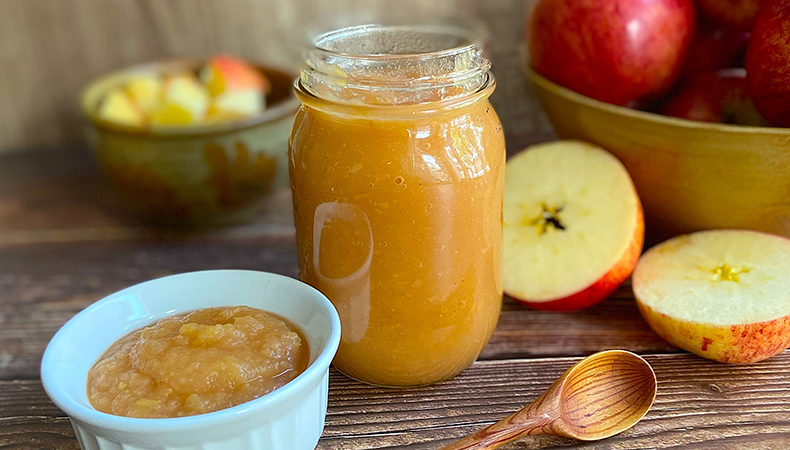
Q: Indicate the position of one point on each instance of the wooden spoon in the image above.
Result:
(600, 396)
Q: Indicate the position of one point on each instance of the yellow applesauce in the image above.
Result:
(398, 208)
(195, 363)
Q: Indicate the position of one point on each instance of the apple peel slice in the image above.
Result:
(573, 226)
(723, 295)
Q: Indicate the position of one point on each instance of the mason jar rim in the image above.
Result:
(397, 63)
(473, 34)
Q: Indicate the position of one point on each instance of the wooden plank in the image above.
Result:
(53, 48)
(615, 323)
(64, 243)
(59, 196)
(43, 285)
(700, 405)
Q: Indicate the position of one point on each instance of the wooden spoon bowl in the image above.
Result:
(600, 396)
(606, 394)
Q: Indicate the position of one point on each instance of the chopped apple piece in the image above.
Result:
(185, 102)
(220, 115)
(720, 294)
(117, 107)
(224, 73)
(244, 103)
(146, 92)
(573, 226)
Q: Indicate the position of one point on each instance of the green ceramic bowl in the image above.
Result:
(208, 174)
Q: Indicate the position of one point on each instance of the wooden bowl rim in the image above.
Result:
(572, 96)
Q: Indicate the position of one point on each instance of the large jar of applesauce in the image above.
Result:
(397, 169)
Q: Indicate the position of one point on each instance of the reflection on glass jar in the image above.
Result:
(342, 257)
(397, 166)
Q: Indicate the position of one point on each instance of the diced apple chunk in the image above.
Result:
(224, 73)
(185, 102)
(145, 92)
(245, 102)
(117, 107)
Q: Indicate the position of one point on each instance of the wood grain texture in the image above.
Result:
(700, 405)
(65, 243)
(44, 285)
(50, 49)
(58, 196)
(598, 397)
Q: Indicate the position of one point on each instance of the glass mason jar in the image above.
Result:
(397, 170)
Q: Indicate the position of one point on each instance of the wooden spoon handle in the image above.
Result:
(507, 429)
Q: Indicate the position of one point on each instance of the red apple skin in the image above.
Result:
(719, 97)
(738, 14)
(768, 63)
(598, 291)
(615, 51)
(713, 48)
(733, 344)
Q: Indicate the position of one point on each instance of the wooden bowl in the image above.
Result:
(216, 173)
(690, 175)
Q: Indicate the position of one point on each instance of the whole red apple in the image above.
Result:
(616, 51)
(714, 47)
(768, 63)
(733, 13)
(719, 96)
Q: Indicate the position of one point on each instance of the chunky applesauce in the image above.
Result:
(397, 191)
(203, 361)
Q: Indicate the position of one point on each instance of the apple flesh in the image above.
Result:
(146, 92)
(714, 48)
(117, 107)
(224, 73)
(237, 88)
(185, 102)
(720, 294)
(573, 226)
(719, 97)
(768, 63)
(738, 14)
(616, 51)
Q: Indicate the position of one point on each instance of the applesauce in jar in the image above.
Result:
(195, 363)
(397, 165)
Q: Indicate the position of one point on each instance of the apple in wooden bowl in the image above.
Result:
(689, 175)
(617, 51)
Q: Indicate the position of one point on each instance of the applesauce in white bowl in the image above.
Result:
(289, 418)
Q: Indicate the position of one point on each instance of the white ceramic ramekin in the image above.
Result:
(289, 418)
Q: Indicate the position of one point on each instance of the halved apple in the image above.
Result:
(573, 226)
(724, 295)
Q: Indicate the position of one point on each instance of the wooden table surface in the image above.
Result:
(64, 243)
